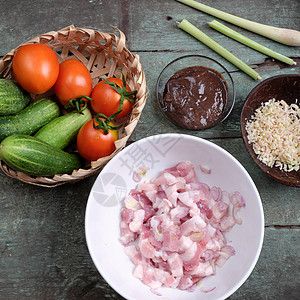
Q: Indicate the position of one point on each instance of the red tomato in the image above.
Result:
(74, 80)
(93, 143)
(35, 67)
(106, 100)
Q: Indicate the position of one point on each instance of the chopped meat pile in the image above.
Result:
(172, 228)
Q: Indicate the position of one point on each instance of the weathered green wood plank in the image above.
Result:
(164, 35)
(154, 119)
(23, 20)
(276, 275)
(43, 253)
(152, 28)
(49, 259)
(281, 203)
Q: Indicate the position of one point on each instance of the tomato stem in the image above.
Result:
(103, 122)
(78, 103)
(122, 91)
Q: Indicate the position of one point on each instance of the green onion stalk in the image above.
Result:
(250, 43)
(285, 36)
(202, 37)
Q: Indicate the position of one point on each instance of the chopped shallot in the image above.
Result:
(274, 132)
(139, 173)
(172, 228)
(205, 169)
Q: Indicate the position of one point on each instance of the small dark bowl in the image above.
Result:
(281, 87)
(190, 61)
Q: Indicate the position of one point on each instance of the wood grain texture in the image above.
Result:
(43, 253)
(153, 118)
(23, 20)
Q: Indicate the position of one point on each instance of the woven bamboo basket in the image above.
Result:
(105, 55)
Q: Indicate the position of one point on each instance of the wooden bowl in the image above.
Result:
(281, 87)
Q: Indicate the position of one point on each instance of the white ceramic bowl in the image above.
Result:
(159, 152)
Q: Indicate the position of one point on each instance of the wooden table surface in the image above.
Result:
(42, 240)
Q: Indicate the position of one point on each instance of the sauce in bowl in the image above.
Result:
(195, 97)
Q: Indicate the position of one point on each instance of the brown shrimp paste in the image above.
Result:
(195, 97)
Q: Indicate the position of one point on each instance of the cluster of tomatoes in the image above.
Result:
(36, 68)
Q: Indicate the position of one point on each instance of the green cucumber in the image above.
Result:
(32, 156)
(12, 97)
(30, 119)
(61, 131)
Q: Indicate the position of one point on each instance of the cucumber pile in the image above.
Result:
(34, 135)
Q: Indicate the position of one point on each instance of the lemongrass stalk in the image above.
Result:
(250, 43)
(202, 37)
(285, 36)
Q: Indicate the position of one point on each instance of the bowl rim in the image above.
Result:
(268, 170)
(219, 120)
(255, 88)
(205, 141)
